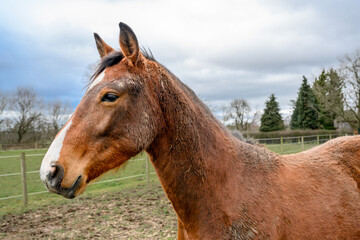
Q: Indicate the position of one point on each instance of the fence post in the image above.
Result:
(318, 139)
(281, 145)
(23, 179)
(147, 168)
(302, 143)
(330, 137)
(36, 144)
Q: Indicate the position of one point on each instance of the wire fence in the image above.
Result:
(288, 145)
(9, 185)
(8, 165)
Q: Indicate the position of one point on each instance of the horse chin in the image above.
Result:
(80, 189)
(73, 191)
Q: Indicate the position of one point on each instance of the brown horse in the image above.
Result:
(220, 187)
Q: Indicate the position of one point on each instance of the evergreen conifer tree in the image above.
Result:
(306, 109)
(328, 91)
(271, 120)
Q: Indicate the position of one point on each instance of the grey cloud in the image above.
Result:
(220, 51)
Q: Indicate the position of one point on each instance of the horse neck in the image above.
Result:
(190, 152)
(190, 132)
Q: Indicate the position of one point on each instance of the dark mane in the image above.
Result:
(147, 54)
(208, 112)
(114, 58)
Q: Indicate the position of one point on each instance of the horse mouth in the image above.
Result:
(70, 192)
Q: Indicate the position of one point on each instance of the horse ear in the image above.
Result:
(102, 47)
(128, 43)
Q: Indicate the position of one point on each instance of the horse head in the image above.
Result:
(116, 119)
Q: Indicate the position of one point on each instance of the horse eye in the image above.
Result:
(109, 97)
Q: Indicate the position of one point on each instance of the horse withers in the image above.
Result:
(219, 186)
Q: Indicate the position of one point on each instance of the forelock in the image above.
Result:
(112, 59)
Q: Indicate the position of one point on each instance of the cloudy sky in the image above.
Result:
(221, 49)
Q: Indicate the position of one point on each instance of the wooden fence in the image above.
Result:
(24, 173)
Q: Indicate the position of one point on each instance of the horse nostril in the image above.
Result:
(55, 174)
(54, 170)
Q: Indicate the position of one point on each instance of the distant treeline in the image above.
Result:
(24, 117)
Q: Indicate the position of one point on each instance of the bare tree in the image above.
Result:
(350, 74)
(3, 104)
(27, 110)
(58, 114)
(238, 111)
(254, 125)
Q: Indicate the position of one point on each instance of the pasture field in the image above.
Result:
(290, 148)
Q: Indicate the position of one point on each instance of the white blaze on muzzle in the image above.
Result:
(53, 153)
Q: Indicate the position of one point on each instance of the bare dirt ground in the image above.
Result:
(136, 213)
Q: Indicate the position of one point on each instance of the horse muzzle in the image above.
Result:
(53, 181)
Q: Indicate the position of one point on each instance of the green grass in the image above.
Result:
(11, 185)
(289, 148)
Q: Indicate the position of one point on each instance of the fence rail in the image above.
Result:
(14, 174)
(17, 156)
(19, 173)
